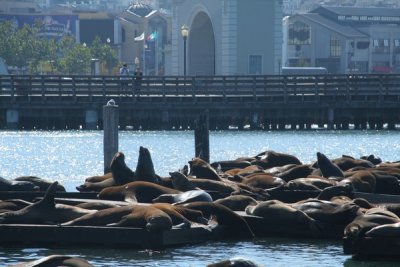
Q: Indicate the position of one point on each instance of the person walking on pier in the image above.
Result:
(124, 73)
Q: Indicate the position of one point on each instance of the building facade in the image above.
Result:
(227, 37)
(344, 40)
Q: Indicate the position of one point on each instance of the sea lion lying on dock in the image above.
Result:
(43, 184)
(139, 191)
(141, 216)
(224, 187)
(12, 185)
(237, 202)
(184, 197)
(44, 211)
(201, 169)
(96, 186)
(270, 158)
(56, 261)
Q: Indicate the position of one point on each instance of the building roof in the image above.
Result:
(361, 11)
(341, 29)
(142, 10)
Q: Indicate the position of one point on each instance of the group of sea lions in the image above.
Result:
(203, 194)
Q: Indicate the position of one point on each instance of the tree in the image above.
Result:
(76, 60)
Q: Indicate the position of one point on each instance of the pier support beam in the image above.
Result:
(91, 119)
(201, 136)
(110, 138)
(331, 118)
(12, 118)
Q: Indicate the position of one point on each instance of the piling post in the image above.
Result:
(201, 136)
(110, 136)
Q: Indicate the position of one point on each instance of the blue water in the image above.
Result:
(71, 156)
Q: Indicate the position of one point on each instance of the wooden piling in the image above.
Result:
(110, 128)
(201, 136)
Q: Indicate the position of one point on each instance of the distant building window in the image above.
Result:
(336, 48)
(381, 46)
(299, 33)
(397, 42)
(255, 64)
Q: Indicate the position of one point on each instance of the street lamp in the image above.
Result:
(185, 34)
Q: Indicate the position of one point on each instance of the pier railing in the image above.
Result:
(268, 88)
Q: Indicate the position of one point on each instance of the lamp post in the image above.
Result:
(185, 34)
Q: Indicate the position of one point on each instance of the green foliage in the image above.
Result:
(25, 48)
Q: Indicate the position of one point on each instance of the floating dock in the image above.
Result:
(372, 247)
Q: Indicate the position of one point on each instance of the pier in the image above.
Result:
(269, 102)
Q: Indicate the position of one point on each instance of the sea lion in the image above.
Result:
(96, 205)
(44, 211)
(224, 216)
(309, 184)
(327, 167)
(346, 162)
(139, 191)
(55, 261)
(201, 169)
(96, 186)
(237, 202)
(365, 222)
(226, 165)
(280, 218)
(140, 216)
(121, 173)
(327, 211)
(244, 171)
(13, 205)
(337, 190)
(184, 197)
(234, 263)
(373, 159)
(260, 180)
(361, 181)
(181, 216)
(43, 184)
(297, 171)
(269, 159)
(98, 178)
(145, 168)
(391, 230)
(224, 187)
(11, 185)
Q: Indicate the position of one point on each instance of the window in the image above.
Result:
(299, 33)
(381, 46)
(255, 64)
(336, 48)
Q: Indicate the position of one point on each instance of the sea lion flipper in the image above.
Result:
(50, 194)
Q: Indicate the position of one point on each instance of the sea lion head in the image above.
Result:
(180, 181)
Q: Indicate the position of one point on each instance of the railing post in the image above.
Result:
(201, 136)
(110, 129)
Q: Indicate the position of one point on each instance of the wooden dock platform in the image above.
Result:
(24, 235)
(373, 247)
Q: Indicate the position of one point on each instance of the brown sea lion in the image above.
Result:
(244, 171)
(201, 169)
(282, 219)
(55, 261)
(327, 167)
(11, 185)
(184, 197)
(139, 191)
(346, 162)
(391, 230)
(44, 211)
(365, 222)
(270, 159)
(121, 173)
(96, 205)
(224, 216)
(96, 186)
(98, 178)
(361, 181)
(224, 187)
(13, 205)
(297, 171)
(43, 184)
(237, 202)
(140, 216)
(310, 184)
(226, 165)
(180, 215)
(145, 168)
(260, 180)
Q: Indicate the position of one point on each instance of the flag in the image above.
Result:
(139, 38)
(152, 37)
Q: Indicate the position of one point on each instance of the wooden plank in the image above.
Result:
(29, 196)
(368, 247)
(377, 198)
